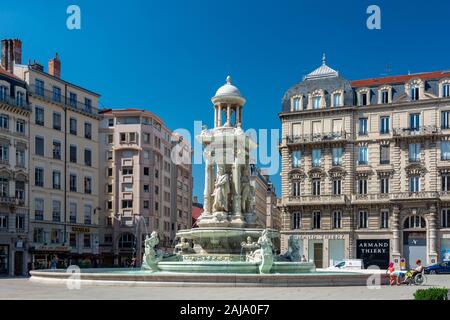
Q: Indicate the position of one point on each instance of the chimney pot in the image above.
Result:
(54, 66)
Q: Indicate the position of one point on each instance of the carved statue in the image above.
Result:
(246, 192)
(150, 259)
(264, 255)
(182, 246)
(221, 191)
(293, 252)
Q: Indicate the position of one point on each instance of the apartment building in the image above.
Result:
(63, 167)
(366, 167)
(14, 146)
(143, 187)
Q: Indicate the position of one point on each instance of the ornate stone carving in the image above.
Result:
(221, 191)
(150, 258)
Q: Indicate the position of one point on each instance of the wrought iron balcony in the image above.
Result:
(11, 201)
(11, 101)
(62, 100)
(415, 195)
(318, 138)
(415, 132)
(318, 200)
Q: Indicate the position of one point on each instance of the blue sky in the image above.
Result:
(170, 56)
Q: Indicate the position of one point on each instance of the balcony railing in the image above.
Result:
(318, 137)
(414, 132)
(11, 201)
(322, 199)
(60, 99)
(414, 195)
(13, 102)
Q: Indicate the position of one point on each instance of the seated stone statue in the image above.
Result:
(182, 246)
(293, 252)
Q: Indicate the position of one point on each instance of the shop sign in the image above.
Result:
(373, 252)
(19, 244)
(322, 236)
(52, 248)
(81, 229)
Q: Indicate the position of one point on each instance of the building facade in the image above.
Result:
(63, 167)
(14, 155)
(366, 167)
(142, 187)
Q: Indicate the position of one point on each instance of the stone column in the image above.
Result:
(238, 115)
(215, 116)
(237, 219)
(219, 119)
(208, 186)
(396, 255)
(228, 123)
(432, 254)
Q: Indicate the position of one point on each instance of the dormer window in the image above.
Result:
(3, 93)
(337, 98)
(385, 95)
(444, 88)
(364, 97)
(317, 99)
(297, 103)
(415, 89)
(316, 102)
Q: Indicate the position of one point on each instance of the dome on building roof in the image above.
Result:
(228, 89)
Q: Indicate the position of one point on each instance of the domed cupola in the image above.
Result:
(228, 100)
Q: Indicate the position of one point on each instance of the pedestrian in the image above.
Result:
(394, 276)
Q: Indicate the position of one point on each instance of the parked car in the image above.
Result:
(348, 264)
(438, 268)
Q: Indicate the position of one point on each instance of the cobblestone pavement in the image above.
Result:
(23, 288)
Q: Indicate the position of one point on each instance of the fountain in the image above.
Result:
(227, 248)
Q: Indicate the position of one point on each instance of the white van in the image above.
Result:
(349, 264)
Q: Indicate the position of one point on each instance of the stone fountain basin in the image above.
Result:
(224, 232)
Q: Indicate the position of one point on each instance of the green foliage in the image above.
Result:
(431, 294)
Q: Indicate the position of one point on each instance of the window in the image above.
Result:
(384, 96)
(110, 172)
(127, 204)
(56, 211)
(123, 137)
(87, 214)
(39, 116)
(132, 136)
(127, 171)
(87, 105)
(20, 158)
(110, 205)
(146, 188)
(56, 120)
(445, 218)
(296, 220)
(414, 152)
(385, 154)
(73, 99)
(316, 220)
(337, 219)
(127, 187)
(88, 130)
(414, 92)
(296, 188)
(414, 184)
(73, 126)
(316, 157)
(73, 240)
(3, 93)
(146, 204)
(20, 126)
(109, 155)
(362, 186)
(86, 240)
(39, 177)
(88, 157)
(87, 185)
(20, 190)
(39, 146)
(445, 182)
(337, 187)
(414, 222)
(146, 138)
(20, 98)
(73, 212)
(108, 238)
(3, 221)
(4, 153)
(384, 185)
(39, 87)
(56, 180)
(111, 122)
(4, 121)
(445, 150)
(316, 102)
(39, 209)
(414, 121)
(157, 192)
(73, 182)
(363, 99)
(73, 153)
(445, 90)
(363, 126)
(384, 219)
(110, 138)
(109, 188)
(156, 173)
(384, 125)
(316, 187)
(56, 94)
(337, 156)
(56, 150)
(337, 97)
(363, 219)
(445, 119)
(20, 222)
(4, 187)
(296, 159)
(297, 104)
(363, 156)
(38, 235)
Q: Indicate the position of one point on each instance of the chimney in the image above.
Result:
(11, 53)
(54, 66)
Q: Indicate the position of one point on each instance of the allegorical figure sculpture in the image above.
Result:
(182, 246)
(246, 198)
(293, 252)
(264, 255)
(150, 259)
(221, 191)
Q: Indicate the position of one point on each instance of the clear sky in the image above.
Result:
(170, 56)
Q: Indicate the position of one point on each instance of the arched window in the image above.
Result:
(414, 222)
(126, 241)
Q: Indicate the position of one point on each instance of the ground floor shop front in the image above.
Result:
(13, 256)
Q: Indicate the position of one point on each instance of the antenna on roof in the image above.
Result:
(387, 70)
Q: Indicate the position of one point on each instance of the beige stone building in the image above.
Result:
(366, 167)
(142, 188)
(63, 167)
(14, 146)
